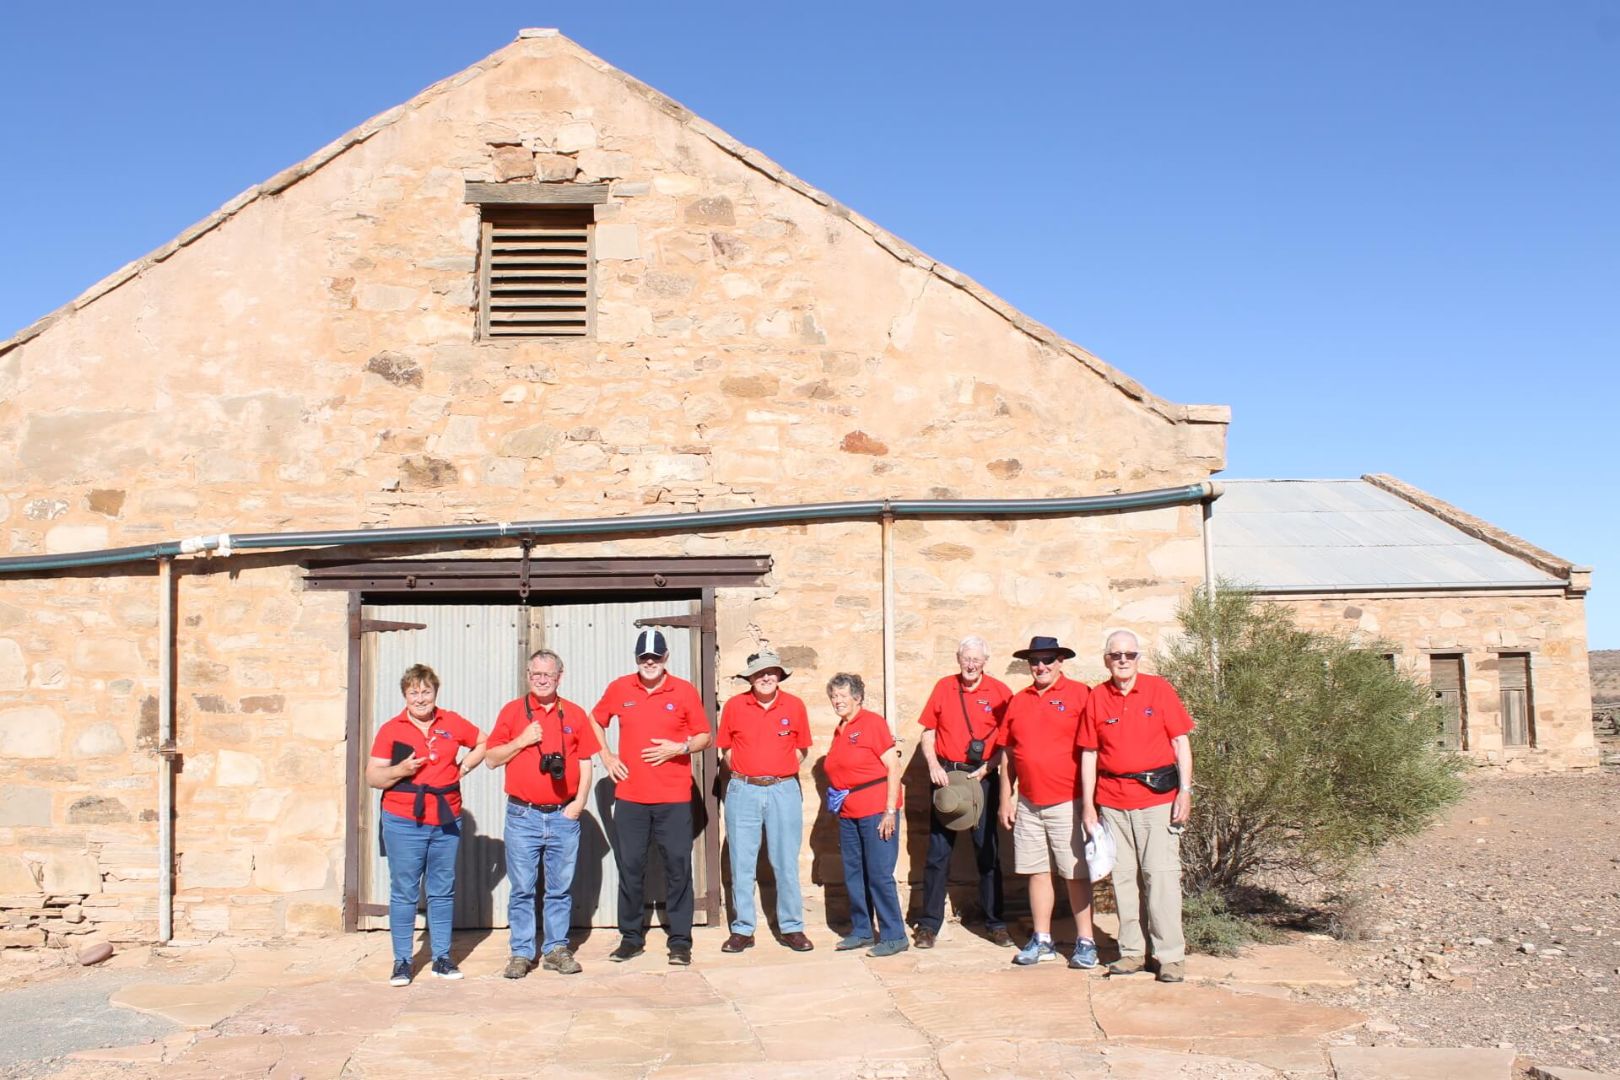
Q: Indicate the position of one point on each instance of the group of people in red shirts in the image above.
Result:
(1053, 763)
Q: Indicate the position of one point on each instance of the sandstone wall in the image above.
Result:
(1551, 628)
(306, 360)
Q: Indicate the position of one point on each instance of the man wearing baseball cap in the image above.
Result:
(661, 724)
(764, 737)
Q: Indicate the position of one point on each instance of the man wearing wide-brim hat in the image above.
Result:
(764, 737)
(1043, 764)
(961, 741)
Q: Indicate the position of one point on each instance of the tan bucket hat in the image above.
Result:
(959, 803)
(764, 660)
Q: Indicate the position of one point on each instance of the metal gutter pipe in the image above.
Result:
(165, 750)
(889, 701)
(697, 521)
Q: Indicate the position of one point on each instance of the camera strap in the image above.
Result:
(967, 722)
(528, 714)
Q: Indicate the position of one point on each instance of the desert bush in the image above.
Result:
(1210, 926)
(1311, 751)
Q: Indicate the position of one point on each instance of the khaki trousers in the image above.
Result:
(1147, 848)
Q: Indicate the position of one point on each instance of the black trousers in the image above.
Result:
(640, 826)
(986, 854)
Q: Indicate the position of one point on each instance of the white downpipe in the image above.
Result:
(889, 703)
(165, 750)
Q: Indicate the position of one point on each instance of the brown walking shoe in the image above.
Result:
(561, 961)
(925, 938)
(1127, 965)
(999, 936)
(518, 967)
(737, 943)
(1171, 973)
(796, 941)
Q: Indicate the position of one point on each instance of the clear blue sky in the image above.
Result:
(1386, 233)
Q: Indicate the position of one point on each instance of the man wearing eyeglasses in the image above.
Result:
(961, 725)
(1042, 725)
(545, 745)
(661, 724)
(1136, 768)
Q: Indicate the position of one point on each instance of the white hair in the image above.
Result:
(1116, 632)
(973, 641)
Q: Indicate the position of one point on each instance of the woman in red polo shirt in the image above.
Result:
(864, 763)
(413, 759)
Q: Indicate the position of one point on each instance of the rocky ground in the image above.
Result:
(1500, 926)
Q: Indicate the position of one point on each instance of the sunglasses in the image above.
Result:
(1044, 661)
(1115, 657)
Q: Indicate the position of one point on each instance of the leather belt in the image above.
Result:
(543, 807)
(957, 766)
(763, 781)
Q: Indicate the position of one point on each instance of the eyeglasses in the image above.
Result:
(1044, 661)
(544, 676)
(1116, 657)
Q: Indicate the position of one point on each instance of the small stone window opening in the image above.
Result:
(1446, 680)
(1518, 708)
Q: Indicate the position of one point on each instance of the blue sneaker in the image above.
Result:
(853, 941)
(889, 947)
(1036, 951)
(1085, 954)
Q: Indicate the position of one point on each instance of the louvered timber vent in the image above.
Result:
(536, 273)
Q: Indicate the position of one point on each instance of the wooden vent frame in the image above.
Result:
(536, 272)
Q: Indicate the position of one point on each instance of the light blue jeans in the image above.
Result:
(778, 811)
(414, 851)
(533, 837)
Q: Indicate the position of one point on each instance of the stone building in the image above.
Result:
(528, 359)
(1496, 625)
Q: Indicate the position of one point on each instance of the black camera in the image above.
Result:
(553, 765)
(975, 753)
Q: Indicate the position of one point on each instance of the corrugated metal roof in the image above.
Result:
(1348, 534)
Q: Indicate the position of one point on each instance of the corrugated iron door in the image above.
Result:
(597, 643)
(478, 652)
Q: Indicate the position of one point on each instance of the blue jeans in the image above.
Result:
(414, 850)
(869, 877)
(532, 836)
(778, 810)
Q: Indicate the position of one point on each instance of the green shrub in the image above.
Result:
(1211, 927)
(1311, 751)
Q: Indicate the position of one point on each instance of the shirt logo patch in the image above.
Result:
(1112, 720)
(441, 733)
(785, 721)
(1059, 704)
(1147, 712)
(629, 705)
(669, 707)
(567, 730)
(854, 735)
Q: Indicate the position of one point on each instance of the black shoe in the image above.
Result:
(444, 969)
(401, 975)
(627, 950)
(680, 956)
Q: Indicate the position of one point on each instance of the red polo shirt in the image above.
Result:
(856, 757)
(1131, 733)
(563, 729)
(673, 711)
(952, 711)
(437, 749)
(1040, 731)
(764, 741)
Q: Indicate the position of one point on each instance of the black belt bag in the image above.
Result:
(1160, 781)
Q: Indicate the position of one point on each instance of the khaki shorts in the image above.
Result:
(1049, 838)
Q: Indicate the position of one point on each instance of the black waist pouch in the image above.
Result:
(1165, 778)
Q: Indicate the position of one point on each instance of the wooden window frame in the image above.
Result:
(541, 208)
(1527, 689)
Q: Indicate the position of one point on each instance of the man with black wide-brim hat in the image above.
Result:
(1043, 763)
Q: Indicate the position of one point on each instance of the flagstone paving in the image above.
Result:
(322, 1008)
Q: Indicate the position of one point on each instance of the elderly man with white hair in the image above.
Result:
(1136, 768)
(962, 733)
